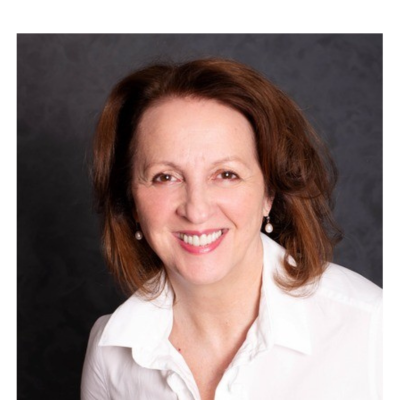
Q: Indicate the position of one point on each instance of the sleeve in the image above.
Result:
(376, 343)
(94, 383)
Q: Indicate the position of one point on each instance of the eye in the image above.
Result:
(227, 175)
(164, 178)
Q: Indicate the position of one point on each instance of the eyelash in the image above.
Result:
(232, 175)
(158, 178)
(169, 178)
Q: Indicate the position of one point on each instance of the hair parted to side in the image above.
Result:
(296, 165)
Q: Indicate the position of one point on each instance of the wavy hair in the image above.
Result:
(298, 170)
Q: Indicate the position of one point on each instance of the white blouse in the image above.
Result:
(323, 347)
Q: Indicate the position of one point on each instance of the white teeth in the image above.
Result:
(202, 240)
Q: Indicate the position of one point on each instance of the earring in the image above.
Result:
(268, 226)
(138, 233)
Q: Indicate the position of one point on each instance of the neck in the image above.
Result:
(224, 308)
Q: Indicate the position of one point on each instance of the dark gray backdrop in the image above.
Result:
(63, 81)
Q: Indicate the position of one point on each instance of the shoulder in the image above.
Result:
(94, 384)
(98, 328)
(337, 283)
(92, 352)
(343, 285)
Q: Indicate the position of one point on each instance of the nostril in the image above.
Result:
(196, 207)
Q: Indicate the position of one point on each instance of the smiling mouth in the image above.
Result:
(201, 240)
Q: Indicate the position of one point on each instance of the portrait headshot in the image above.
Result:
(199, 216)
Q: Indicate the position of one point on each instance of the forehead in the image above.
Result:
(193, 123)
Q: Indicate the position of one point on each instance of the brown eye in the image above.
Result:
(228, 175)
(164, 178)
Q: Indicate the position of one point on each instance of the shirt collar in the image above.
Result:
(285, 314)
(144, 325)
(140, 323)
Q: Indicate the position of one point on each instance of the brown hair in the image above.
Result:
(296, 165)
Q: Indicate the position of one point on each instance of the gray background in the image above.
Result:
(63, 81)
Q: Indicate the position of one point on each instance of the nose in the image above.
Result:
(197, 205)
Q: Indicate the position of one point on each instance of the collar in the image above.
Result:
(140, 323)
(144, 326)
(286, 315)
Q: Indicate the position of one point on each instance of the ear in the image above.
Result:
(135, 213)
(268, 201)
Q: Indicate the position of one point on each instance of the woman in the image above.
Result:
(191, 161)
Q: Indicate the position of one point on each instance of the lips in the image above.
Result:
(201, 242)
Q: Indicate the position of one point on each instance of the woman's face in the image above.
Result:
(199, 191)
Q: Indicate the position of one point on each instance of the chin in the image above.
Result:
(199, 276)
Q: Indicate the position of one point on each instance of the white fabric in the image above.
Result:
(324, 347)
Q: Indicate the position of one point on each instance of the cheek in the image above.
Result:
(244, 205)
(152, 207)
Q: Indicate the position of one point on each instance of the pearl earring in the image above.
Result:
(138, 233)
(268, 226)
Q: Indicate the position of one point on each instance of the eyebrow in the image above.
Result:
(176, 166)
(230, 159)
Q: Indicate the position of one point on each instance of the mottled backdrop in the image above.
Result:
(63, 81)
